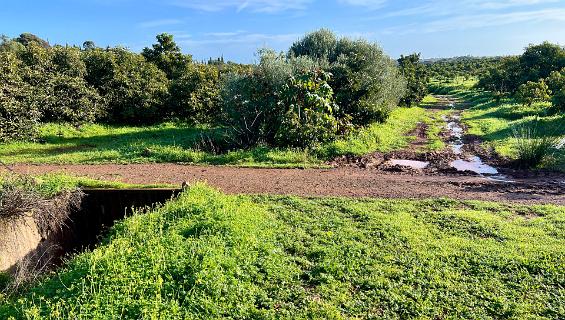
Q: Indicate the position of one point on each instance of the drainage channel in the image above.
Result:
(22, 242)
(102, 208)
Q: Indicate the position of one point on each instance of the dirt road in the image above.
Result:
(344, 181)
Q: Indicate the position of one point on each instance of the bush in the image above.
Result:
(19, 115)
(282, 102)
(195, 95)
(367, 83)
(416, 76)
(309, 117)
(558, 101)
(134, 90)
(531, 92)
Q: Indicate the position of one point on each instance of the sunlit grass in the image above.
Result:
(209, 255)
(171, 142)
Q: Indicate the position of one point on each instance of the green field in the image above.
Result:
(494, 123)
(169, 142)
(209, 255)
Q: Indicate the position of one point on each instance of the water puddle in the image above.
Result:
(473, 164)
(409, 163)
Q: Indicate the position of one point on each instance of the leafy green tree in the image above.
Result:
(416, 76)
(319, 45)
(167, 55)
(558, 100)
(309, 118)
(195, 95)
(538, 61)
(532, 92)
(19, 114)
(88, 45)
(366, 83)
(27, 38)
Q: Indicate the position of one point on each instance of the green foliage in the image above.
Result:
(416, 76)
(207, 255)
(536, 63)
(320, 45)
(531, 92)
(27, 38)
(309, 118)
(19, 114)
(366, 83)
(195, 95)
(532, 146)
(467, 67)
(167, 55)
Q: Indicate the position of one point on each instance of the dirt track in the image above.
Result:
(353, 182)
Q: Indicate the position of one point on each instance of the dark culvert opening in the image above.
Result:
(100, 209)
(80, 227)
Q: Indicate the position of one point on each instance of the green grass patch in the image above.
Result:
(52, 184)
(170, 142)
(207, 255)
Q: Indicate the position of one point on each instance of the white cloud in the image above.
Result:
(371, 4)
(464, 7)
(464, 22)
(268, 6)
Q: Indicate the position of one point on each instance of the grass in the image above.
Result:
(208, 255)
(49, 185)
(169, 142)
(495, 123)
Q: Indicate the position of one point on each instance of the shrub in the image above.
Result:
(195, 95)
(309, 117)
(19, 115)
(366, 82)
(134, 90)
(531, 92)
(282, 101)
(558, 101)
(416, 76)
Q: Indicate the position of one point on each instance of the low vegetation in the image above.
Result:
(174, 142)
(208, 255)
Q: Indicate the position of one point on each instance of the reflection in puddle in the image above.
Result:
(409, 163)
(475, 164)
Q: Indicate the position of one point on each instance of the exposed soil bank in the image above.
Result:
(344, 181)
(24, 245)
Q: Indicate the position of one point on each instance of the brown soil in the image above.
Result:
(344, 181)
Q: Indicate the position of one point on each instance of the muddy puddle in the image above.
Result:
(467, 163)
(414, 164)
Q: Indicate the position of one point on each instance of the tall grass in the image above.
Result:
(532, 145)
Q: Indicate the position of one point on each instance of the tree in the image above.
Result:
(88, 45)
(538, 61)
(19, 114)
(532, 92)
(27, 38)
(366, 83)
(319, 45)
(416, 76)
(167, 55)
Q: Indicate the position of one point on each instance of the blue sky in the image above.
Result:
(237, 28)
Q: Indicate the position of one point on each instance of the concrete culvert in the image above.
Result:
(35, 233)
